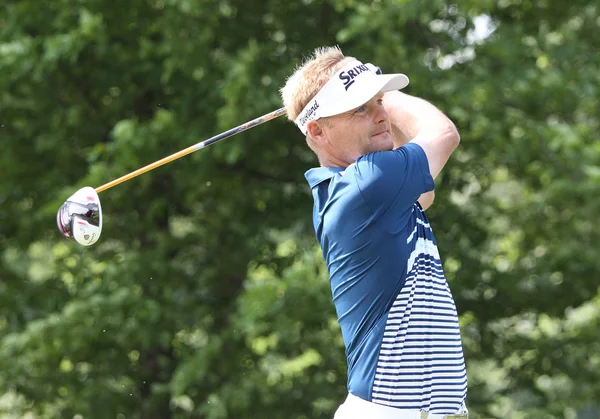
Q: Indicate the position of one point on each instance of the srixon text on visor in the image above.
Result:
(348, 76)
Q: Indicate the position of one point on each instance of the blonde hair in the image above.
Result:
(310, 77)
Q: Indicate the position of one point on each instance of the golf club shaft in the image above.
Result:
(193, 148)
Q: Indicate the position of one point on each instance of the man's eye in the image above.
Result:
(380, 101)
(361, 109)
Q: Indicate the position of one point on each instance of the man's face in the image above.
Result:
(363, 130)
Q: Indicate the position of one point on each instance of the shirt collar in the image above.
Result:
(319, 174)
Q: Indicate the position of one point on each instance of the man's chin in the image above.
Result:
(383, 141)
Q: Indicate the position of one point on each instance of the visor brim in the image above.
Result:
(364, 92)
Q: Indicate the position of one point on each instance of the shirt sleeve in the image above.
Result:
(393, 179)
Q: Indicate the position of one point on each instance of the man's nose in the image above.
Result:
(380, 114)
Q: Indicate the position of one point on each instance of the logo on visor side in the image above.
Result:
(348, 76)
(309, 112)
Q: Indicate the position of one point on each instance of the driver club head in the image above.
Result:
(80, 217)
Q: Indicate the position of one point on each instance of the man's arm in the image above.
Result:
(418, 121)
(424, 124)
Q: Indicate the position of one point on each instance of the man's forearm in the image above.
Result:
(405, 126)
(400, 134)
(426, 199)
(412, 115)
(416, 119)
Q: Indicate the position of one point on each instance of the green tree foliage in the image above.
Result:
(206, 296)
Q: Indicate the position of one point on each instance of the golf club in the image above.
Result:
(80, 217)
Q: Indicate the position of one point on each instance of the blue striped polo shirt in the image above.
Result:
(394, 306)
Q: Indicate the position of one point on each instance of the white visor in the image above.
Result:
(352, 86)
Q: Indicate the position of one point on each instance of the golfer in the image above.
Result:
(379, 152)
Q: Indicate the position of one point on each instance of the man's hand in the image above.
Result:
(426, 199)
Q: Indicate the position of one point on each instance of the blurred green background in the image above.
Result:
(206, 296)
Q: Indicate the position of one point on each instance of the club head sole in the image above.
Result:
(80, 217)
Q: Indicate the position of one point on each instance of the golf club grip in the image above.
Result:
(195, 147)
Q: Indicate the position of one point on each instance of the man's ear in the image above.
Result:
(315, 131)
